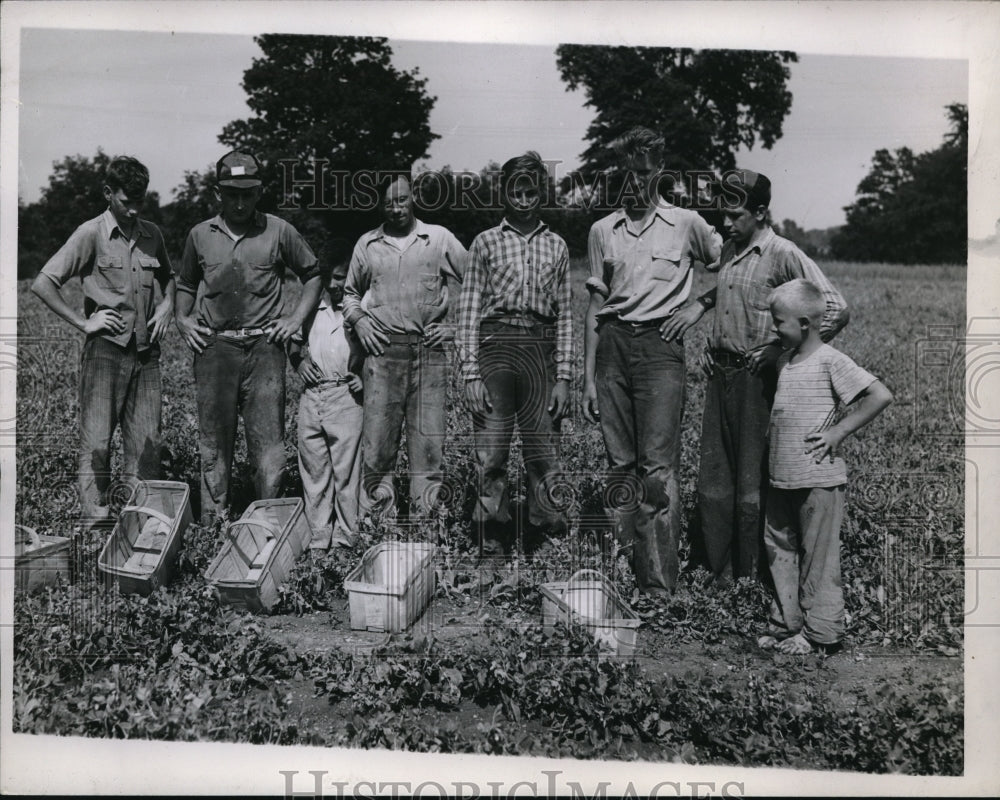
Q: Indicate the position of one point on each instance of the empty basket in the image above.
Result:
(391, 586)
(141, 553)
(595, 604)
(39, 560)
(260, 549)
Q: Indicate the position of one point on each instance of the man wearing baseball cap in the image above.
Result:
(740, 364)
(239, 327)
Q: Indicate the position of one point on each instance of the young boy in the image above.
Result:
(515, 347)
(330, 418)
(120, 258)
(805, 504)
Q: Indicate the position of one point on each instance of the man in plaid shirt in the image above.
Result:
(641, 259)
(515, 345)
(740, 364)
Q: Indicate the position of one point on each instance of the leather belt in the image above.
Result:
(406, 338)
(646, 323)
(242, 333)
(724, 358)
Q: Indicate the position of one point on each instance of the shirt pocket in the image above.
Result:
(505, 280)
(545, 280)
(759, 295)
(109, 268)
(262, 280)
(665, 263)
(429, 288)
(218, 279)
(148, 266)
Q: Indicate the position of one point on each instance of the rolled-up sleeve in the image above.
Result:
(297, 254)
(358, 278)
(595, 252)
(189, 274)
(73, 258)
(564, 321)
(706, 244)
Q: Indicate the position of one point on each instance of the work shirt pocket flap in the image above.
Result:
(665, 262)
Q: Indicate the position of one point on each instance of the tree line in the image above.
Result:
(334, 106)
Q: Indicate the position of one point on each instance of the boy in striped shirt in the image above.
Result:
(805, 504)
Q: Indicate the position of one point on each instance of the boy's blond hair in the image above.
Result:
(803, 298)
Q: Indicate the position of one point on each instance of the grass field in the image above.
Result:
(476, 676)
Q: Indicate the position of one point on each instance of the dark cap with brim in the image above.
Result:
(238, 169)
(756, 188)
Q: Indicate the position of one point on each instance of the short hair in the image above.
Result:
(803, 298)
(639, 142)
(391, 179)
(127, 173)
(529, 164)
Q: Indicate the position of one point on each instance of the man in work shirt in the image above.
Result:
(409, 270)
(516, 352)
(119, 258)
(238, 330)
(640, 274)
(740, 364)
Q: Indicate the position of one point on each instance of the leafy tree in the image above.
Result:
(912, 209)
(75, 193)
(706, 103)
(194, 201)
(336, 99)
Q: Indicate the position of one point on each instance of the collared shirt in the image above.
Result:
(805, 401)
(746, 279)
(331, 348)
(645, 275)
(242, 277)
(117, 272)
(408, 280)
(522, 280)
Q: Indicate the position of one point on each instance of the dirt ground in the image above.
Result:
(449, 624)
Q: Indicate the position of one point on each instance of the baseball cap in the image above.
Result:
(757, 187)
(238, 169)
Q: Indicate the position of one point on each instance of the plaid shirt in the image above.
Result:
(742, 313)
(521, 280)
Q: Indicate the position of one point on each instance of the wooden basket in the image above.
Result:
(596, 605)
(141, 554)
(260, 549)
(39, 560)
(391, 586)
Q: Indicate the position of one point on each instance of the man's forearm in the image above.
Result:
(183, 303)
(308, 299)
(46, 290)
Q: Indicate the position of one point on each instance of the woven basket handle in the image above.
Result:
(260, 523)
(253, 522)
(33, 538)
(152, 512)
(580, 572)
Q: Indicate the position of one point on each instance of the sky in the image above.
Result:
(165, 96)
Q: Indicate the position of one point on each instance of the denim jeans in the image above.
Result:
(518, 368)
(408, 381)
(245, 377)
(640, 395)
(732, 478)
(118, 385)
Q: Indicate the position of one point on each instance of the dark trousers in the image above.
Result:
(732, 478)
(517, 365)
(408, 381)
(243, 377)
(640, 395)
(118, 386)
